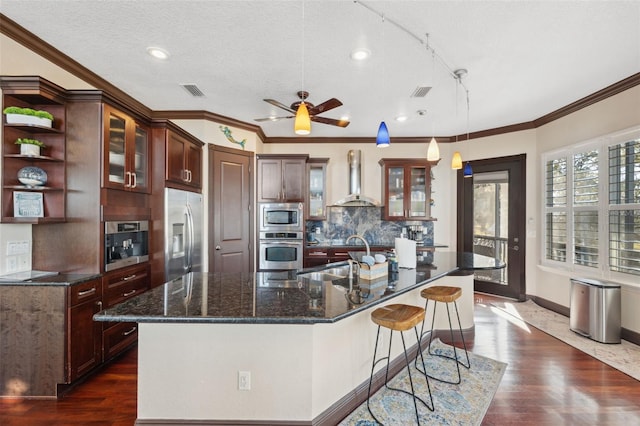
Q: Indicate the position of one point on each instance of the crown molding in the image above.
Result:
(593, 98)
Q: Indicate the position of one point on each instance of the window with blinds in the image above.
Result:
(556, 217)
(592, 204)
(624, 209)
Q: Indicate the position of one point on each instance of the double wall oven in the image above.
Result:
(281, 236)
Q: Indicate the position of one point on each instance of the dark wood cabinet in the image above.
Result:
(406, 189)
(184, 161)
(37, 94)
(282, 178)
(118, 286)
(84, 342)
(126, 152)
(315, 257)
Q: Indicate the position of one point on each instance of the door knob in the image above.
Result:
(218, 248)
(515, 248)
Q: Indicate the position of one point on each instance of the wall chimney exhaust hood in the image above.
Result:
(355, 171)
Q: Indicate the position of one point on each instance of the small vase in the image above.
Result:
(29, 149)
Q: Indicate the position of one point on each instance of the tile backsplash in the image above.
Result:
(365, 221)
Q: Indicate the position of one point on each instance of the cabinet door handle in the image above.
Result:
(188, 175)
(128, 180)
(99, 305)
(185, 175)
(128, 332)
(132, 292)
(135, 180)
(129, 277)
(86, 292)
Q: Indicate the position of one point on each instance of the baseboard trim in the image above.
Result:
(626, 334)
(341, 408)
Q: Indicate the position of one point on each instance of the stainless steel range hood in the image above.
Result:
(355, 175)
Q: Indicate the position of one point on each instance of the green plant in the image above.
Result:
(21, 141)
(28, 111)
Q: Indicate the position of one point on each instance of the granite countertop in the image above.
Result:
(280, 297)
(51, 279)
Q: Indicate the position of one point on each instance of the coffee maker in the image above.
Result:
(416, 233)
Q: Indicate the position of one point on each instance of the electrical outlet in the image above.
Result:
(12, 263)
(23, 262)
(244, 380)
(17, 247)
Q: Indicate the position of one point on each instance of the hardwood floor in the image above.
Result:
(546, 383)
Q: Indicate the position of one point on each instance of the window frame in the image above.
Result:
(603, 207)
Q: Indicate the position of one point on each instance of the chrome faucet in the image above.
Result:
(366, 244)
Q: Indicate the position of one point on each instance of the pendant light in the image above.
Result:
(302, 123)
(383, 140)
(467, 172)
(433, 152)
(456, 161)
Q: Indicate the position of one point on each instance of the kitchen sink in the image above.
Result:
(329, 274)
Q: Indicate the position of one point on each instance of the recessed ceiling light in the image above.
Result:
(360, 54)
(401, 118)
(344, 118)
(158, 52)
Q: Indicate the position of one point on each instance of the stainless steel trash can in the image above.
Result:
(595, 309)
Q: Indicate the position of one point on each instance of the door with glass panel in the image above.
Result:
(491, 222)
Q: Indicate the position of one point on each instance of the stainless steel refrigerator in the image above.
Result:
(183, 226)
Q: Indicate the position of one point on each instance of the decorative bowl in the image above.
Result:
(32, 176)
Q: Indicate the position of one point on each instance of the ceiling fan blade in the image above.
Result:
(331, 121)
(279, 105)
(325, 106)
(273, 118)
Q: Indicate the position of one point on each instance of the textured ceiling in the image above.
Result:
(524, 59)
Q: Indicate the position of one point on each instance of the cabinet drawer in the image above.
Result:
(124, 284)
(118, 337)
(81, 293)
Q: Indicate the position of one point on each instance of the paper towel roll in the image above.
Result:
(406, 253)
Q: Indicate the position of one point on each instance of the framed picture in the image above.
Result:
(28, 204)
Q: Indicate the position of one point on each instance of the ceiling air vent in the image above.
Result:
(420, 92)
(193, 89)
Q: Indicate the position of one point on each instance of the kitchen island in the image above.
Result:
(301, 351)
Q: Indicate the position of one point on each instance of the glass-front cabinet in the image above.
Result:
(126, 152)
(317, 196)
(406, 189)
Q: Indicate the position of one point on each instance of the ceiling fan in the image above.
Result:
(313, 110)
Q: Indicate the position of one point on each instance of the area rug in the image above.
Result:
(624, 356)
(463, 404)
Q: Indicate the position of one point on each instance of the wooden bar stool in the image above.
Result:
(399, 317)
(446, 295)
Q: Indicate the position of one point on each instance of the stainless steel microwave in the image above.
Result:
(281, 217)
